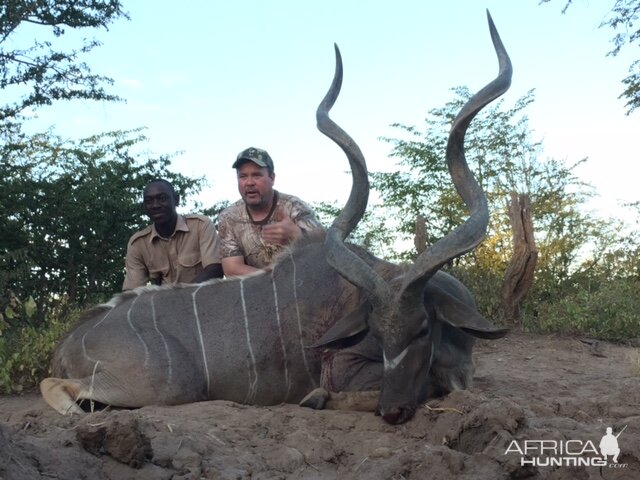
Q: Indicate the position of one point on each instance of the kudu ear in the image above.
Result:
(454, 312)
(348, 330)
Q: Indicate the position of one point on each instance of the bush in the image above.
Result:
(26, 349)
(608, 311)
(596, 303)
(485, 287)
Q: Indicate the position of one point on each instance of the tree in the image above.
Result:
(622, 19)
(40, 73)
(67, 209)
(520, 273)
(374, 231)
(505, 159)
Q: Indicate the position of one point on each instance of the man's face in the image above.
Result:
(159, 203)
(255, 184)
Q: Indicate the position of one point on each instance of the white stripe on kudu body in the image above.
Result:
(84, 346)
(144, 344)
(302, 346)
(253, 383)
(201, 339)
(164, 340)
(111, 307)
(282, 344)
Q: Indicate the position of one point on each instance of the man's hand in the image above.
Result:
(282, 232)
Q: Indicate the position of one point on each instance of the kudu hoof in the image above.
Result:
(316, 399)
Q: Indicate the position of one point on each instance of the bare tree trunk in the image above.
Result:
(519, 275)
(420, 239)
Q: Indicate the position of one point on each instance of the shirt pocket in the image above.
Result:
(189, 266)
(189, 260)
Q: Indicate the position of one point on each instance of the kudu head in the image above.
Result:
(399, 318)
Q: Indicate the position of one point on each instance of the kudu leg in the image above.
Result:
(62, 394)
(320, 399)
(350, 380)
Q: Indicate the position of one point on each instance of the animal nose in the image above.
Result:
(398, 415)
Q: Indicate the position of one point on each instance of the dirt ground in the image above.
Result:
(527, 389)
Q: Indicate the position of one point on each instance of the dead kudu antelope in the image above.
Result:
(327, 316)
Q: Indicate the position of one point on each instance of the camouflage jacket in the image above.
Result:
(241, 236)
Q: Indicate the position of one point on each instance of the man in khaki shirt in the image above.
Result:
(175, 248)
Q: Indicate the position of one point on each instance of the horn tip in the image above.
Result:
(492, 25)
(338, 54)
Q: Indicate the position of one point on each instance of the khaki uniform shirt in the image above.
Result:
(193, 246)
(241, 236)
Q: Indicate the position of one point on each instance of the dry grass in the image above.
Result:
(634, 360)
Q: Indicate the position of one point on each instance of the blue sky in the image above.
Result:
(210, 78)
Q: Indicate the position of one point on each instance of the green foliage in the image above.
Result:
(622, 19)
(68, 209)
(215, 210)
(502, 155)
(485, 285)
(498, 148)
(588, 269)
(374, 232)
(600, 295)
(37, 72)
(606, 310)
(25, 348)
(13, 311)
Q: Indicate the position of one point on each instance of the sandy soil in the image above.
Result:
(527, 388)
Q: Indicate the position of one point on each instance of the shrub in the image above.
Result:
(609, 311)
(26, 349)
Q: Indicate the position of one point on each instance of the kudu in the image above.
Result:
(325, 314)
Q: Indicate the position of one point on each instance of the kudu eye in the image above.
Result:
(421, 323)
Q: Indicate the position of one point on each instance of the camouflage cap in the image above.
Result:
(256, 155)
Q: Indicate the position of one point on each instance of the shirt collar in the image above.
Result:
(181, 226)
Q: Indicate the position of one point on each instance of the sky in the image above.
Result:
(211, 78)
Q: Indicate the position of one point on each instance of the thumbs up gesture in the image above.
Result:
(283, 231)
